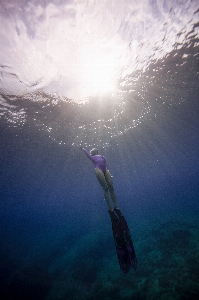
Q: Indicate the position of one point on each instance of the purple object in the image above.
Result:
(98, 160)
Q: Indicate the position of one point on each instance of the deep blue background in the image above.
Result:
(51, 202)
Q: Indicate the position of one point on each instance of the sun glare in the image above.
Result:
(98, 72)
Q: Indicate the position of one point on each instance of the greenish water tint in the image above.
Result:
(55, 231)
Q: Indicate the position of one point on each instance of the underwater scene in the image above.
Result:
(120, 78)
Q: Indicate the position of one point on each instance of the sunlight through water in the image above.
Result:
(90, 68)
(98, 72)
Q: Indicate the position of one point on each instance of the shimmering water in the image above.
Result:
(66, 66)
(122, 76)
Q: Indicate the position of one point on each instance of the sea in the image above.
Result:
(123, 77)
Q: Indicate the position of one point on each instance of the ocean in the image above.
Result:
(122, 77)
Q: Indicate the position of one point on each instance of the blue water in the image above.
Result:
(55, 230)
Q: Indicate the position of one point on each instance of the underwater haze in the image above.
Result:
(123, 77)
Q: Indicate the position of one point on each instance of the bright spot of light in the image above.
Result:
(98, 69)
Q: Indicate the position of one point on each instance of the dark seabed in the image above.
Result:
(56, 237)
